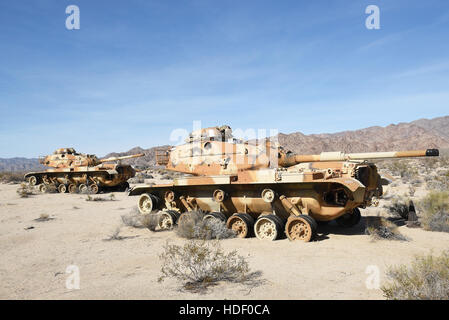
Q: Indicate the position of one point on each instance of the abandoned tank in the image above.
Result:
(263, 189)
(76, 172)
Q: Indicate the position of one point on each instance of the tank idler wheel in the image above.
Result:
(168, 219)
(241, 223)
(147, 203)
(42, 188)
(215, 215)
(93, 188)
(82, 188)
(32, 180)
(302, 228)
(62, 188)
(72, 188)
(349, 220)
(268, 227)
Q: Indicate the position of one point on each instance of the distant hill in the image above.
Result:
(403, 136)
(149, 159)
(419, 134)
(19, 164)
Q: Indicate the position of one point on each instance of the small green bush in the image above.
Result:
(434, 214)
(426, 279)
(199, 264)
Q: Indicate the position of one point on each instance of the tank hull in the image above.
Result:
(291, 194)
(102, 177)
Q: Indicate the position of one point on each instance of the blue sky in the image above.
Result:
(138, 69)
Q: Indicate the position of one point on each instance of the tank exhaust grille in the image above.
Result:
(162, 157)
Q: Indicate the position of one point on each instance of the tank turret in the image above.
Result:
(214, 151)
(69, 158)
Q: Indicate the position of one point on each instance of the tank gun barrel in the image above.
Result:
(122, 158)
(291, 160)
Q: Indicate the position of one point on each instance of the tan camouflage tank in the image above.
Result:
(264, 189)
(72, 171)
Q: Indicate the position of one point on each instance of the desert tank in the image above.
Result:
(72, 171)
(263, 189)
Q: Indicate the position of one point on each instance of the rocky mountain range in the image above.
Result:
(419, 134)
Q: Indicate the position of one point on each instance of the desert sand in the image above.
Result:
(34, 260)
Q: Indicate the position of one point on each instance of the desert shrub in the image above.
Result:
(434, 213)
(403, 168)
(115, 235)
(426, 279)
(11, 177)
(140, 177)
(137, 220)
(133, 219)
(151, 221)
(192, 226)
(43, 217)
(199, 264)
(380, 228)
(399, 206)
(439, 182)
(110, 198)
(25, 190)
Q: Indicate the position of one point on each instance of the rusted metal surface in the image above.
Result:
(72, 171)
(247, 182)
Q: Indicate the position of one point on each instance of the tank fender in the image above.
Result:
(29, 174)
(138, 190)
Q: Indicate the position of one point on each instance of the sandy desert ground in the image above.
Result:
(34, 260)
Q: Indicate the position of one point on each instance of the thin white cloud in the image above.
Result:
(381, 42)
(431, 68)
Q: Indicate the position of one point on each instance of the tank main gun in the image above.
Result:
(288, 160)
(121, 158)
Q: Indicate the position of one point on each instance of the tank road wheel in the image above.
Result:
(215, 215)
(268, 227)
(72, 188)
(168, 219)
(32, 180)
(93, 188)
(62, 188)
(349, 220)
(301, 227)
(82, 188)
(241, 223)
(42, 188)
(147, 203)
